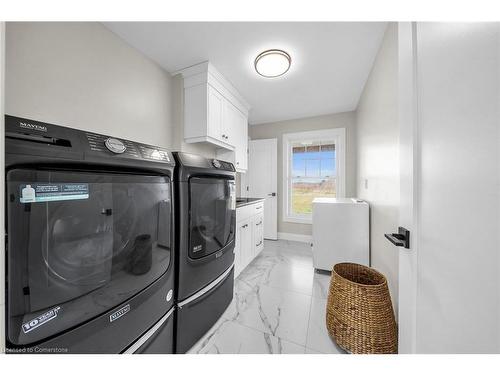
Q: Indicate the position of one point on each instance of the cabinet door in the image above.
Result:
(258, 234)
(241, 150)
(237, 251)
(215, 113)
(246, 247)
(230, 127)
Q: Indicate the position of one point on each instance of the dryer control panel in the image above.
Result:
(220, 164)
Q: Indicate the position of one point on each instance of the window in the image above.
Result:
(313, 167)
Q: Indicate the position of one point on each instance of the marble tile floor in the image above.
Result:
(278, 307)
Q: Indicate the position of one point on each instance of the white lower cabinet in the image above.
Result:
(249, 235)
(243, 247)
(237, 251)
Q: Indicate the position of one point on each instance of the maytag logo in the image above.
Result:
(218, 254)
(27, 125)
(119, 313)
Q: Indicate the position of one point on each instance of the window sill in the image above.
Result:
(297, 220)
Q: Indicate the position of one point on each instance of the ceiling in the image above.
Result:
(330, 60)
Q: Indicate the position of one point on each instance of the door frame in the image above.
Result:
(410, 155)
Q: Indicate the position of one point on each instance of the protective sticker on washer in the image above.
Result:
(40, 320)
(32, 193)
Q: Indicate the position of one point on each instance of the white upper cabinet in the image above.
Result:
(230, 129)
(241, 152)
(236, 130)
(215, 112)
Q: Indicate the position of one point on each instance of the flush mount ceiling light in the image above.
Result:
(272, 63)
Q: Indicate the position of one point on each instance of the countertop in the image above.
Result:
(240, 202)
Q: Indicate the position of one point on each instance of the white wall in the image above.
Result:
(458, 285)
(377, 138)
(82, 75)
(277, 129)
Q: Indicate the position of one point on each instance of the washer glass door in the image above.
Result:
(80, 244)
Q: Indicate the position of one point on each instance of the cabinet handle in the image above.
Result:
(244, 226)
(259, 223)
(260, 243)
(258, 208)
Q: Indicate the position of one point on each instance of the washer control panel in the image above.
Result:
(125, 148)
(154, 153)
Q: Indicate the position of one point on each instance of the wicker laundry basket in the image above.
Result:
(359, 313)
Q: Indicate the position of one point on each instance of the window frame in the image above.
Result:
(335, 134)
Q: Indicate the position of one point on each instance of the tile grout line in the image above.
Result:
(308, 322)
(283, 338)
(276, 336)
(285, 248)
(310, 311)
(292, 291)
(264, 333)
(289, 290)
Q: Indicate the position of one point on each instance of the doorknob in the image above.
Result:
(271, 194)
(402, 238)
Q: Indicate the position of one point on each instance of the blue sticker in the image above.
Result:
(32, 193)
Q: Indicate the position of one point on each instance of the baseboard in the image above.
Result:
(294, 237)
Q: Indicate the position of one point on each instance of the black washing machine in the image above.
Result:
(90, 236)
(206, 220)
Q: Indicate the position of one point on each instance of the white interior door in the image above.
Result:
(449, 285)
(262, 181)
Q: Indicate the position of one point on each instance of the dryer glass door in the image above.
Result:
(212, 215)
(80, 244)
